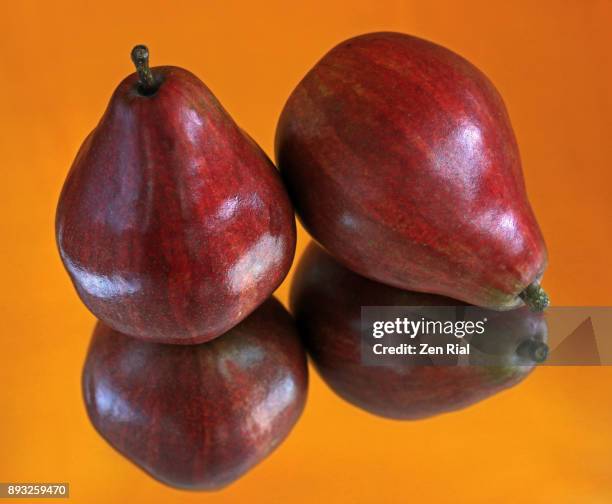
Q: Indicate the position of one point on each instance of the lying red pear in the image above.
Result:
(172, 223)
(401, 161)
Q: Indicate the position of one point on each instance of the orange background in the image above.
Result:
(547, 440)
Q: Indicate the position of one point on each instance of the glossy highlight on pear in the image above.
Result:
(326, 300)
(172, 223)
(401, 161)
(198, 416)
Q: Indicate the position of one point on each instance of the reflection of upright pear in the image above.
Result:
(326, 300)
(198, 416)
(172, 223)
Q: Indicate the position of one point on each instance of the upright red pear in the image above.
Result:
(401, 161)
(173, 224)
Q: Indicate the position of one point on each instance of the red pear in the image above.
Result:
(198, 416)
(327, 299)
(172, 223)
(401, 161)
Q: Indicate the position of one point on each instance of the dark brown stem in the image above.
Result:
(535, 297)
(147, 85)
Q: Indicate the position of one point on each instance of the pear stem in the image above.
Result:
(147, 84)
(535, 351)
(535, 297)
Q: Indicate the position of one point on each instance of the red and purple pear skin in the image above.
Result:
(198, 416)
(327, 299)
(401, 161)
(172, 223)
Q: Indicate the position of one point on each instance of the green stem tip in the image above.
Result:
(535, 297)
(147, 85)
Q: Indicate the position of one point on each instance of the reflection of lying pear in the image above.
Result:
(200, 416)
(513, 338)
(326, 300)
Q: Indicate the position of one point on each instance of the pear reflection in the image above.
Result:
(326, 300)
(198, 416)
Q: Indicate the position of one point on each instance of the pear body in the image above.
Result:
(401, 161)
(172, 223)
